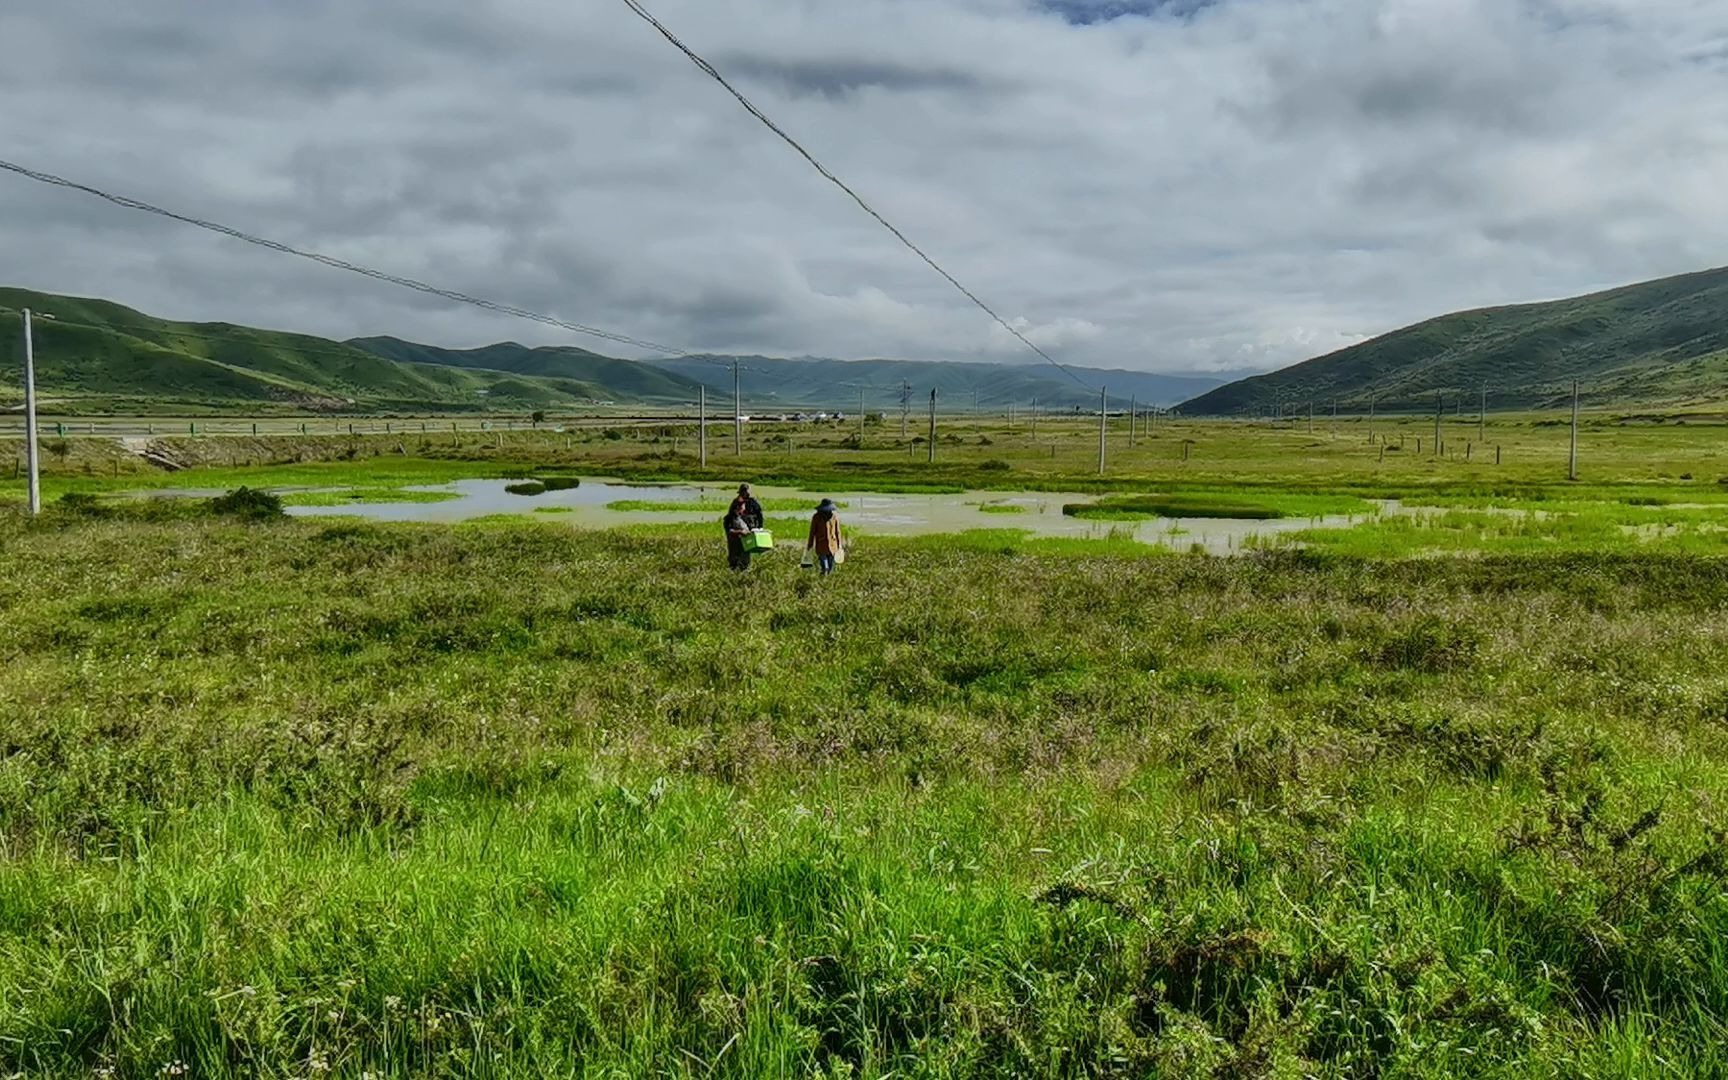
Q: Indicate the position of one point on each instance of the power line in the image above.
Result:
(339, 264)
(301, 344)
(709, 70)
(247, 338)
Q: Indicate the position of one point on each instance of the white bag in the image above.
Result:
(839, 555)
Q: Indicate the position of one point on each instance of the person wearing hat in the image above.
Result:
(824, 537)
(746, 505)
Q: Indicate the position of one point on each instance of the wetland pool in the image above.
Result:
(1037, 513)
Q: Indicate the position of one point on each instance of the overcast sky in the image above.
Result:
(1155, 184)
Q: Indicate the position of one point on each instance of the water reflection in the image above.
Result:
(1039, 513)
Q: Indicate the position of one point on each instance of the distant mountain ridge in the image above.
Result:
(624, 380)
(828, 383)
(1662, 342)
(97, 355)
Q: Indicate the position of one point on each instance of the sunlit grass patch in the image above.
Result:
(1255, 506)
(348, 496)
(1528, 527)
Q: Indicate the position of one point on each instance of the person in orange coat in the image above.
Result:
(824, 537)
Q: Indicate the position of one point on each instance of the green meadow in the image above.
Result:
(1434, 793)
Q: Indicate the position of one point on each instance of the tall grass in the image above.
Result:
(297, 798)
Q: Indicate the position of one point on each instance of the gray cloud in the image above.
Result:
(840, 75)
(1136, 183)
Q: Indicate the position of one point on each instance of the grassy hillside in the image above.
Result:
(95, 355)
(834, 384)
(1658, 343)
(621, 379)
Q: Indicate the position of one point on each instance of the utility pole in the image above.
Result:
(1572, 468)
(702, 424)
(1133, 418)
(30, 458)
(1034, 420)
(1370, 419)
(1439, 408)
(932, 446)
(860, 416)
(905, 407)
(1103, 426)
(737, 414)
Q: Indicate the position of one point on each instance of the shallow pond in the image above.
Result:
(1037, 513)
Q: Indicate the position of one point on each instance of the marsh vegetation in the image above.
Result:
(320, 797)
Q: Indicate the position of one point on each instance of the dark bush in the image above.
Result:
(249, 504)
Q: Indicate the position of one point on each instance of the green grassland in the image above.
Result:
(1515, 526)
(512, 799)
(349, 496)
(326, 798)
(1267, 506)
(1388, 456)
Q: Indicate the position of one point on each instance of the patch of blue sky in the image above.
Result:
(1089, 12)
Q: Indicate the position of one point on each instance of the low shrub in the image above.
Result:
(249, 504)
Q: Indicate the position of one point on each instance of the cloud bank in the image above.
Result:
(1153, 184)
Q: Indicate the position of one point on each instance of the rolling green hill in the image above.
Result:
(834, 384)
(96, 355)
(624, 380)
(1657, 343)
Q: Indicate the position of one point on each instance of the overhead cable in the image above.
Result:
(750, 107)
(339, 264)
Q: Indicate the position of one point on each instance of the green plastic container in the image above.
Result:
(759, 540)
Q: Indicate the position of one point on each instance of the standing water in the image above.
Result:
(1035, 513)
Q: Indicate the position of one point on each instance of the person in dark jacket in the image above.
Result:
(824, 537)
(747, 505)
(737, 528)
